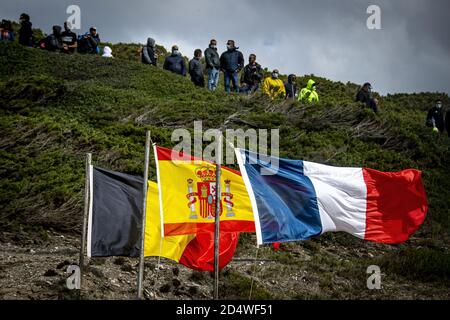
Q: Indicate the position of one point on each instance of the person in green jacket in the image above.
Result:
(309, 93)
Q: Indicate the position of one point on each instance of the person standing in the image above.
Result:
(291, 87)
(251, 77)
(69, 38)
(435, 117)
(196, 69)
(231, 62)
(212, 60)
(273, 86)
(148, 55)
(26, 30)
(309, 93)
(175, 62)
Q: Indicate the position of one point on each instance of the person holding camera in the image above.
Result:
(88, 43)
(252, 74)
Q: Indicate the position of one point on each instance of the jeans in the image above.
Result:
(231, 77)
(213, 79)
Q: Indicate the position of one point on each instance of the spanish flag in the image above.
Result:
(193, 251)
(187, 196)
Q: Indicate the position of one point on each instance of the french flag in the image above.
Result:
(300, 200)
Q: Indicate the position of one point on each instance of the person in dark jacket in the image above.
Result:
(54, 41)
(447, 122)
(212, 60)
(196, 69)
(291, 87)
(69, 38)
(26, 31)
(231, 62)
(149, 55)
(435, 117)
(88, 43)
(251, 76)
(175, 62)
(364, 95)
(6, 32)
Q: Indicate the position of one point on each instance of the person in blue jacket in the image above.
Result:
(6, 32)
(231, 62)
(175, 62)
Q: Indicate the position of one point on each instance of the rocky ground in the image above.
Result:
(311, 270)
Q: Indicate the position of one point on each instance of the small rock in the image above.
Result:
(176, 283)
(165, 288)
(50, 273)
(32, 251)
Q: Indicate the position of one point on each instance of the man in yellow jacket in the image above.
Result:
(309, 93)
(273, 86)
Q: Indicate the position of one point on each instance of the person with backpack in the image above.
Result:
(291, 87)
(231, 62)
(69, 38)
(175, 62)
(435, 117)
(212, 60)
(196, 69)
(88, 43)
(148, 54)
(309, 93)
(273, 86)
(53, 42)
(251, 77)
(26, 30)
(6, 33)
(364, 95)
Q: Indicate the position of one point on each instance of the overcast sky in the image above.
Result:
(329, 38)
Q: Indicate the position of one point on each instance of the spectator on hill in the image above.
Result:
(175, 62)
(435, 117)
(273, 86)
(88, 43)
(6, 32)
(251, 77)
(447, 122)
(291, 87)
(196, 69)
(107, 52)
(364, 95)
(26, 31)
(53, 42)
(212, 65)
(231, 62)
(309, 93)
(69, 38)
(148, 55)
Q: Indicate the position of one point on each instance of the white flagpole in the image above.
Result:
(217, 217)
(85, 217)
(144, 205)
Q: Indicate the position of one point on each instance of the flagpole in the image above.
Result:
(217, 217)
(144, 205)
(85, 217)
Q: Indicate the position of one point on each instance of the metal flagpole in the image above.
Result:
(144, 205)
(86, 211)
(217, 217)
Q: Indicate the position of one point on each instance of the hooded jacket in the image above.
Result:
(107, 52)
(290, 87)
(231, 61)
(26, 34)
(447, 122)
(435, 118)
(274, 88)
(212, 58)
(309, 94)
(175, 63)
(148, 53)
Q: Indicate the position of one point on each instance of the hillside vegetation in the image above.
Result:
(54, 108)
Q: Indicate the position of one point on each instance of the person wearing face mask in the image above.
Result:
(291, 87)
(364, 95)
(175, 62)
(435, 117)
(148, 54)
(309, 93)
(196, 69)
(273, 86)
(251, 77)
(231, 62)
(26, 31)
(212, 65)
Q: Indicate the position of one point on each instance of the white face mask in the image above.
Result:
(229, 47)
(174, 52)
(275, 75)
(212, 46)
(439, 105)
